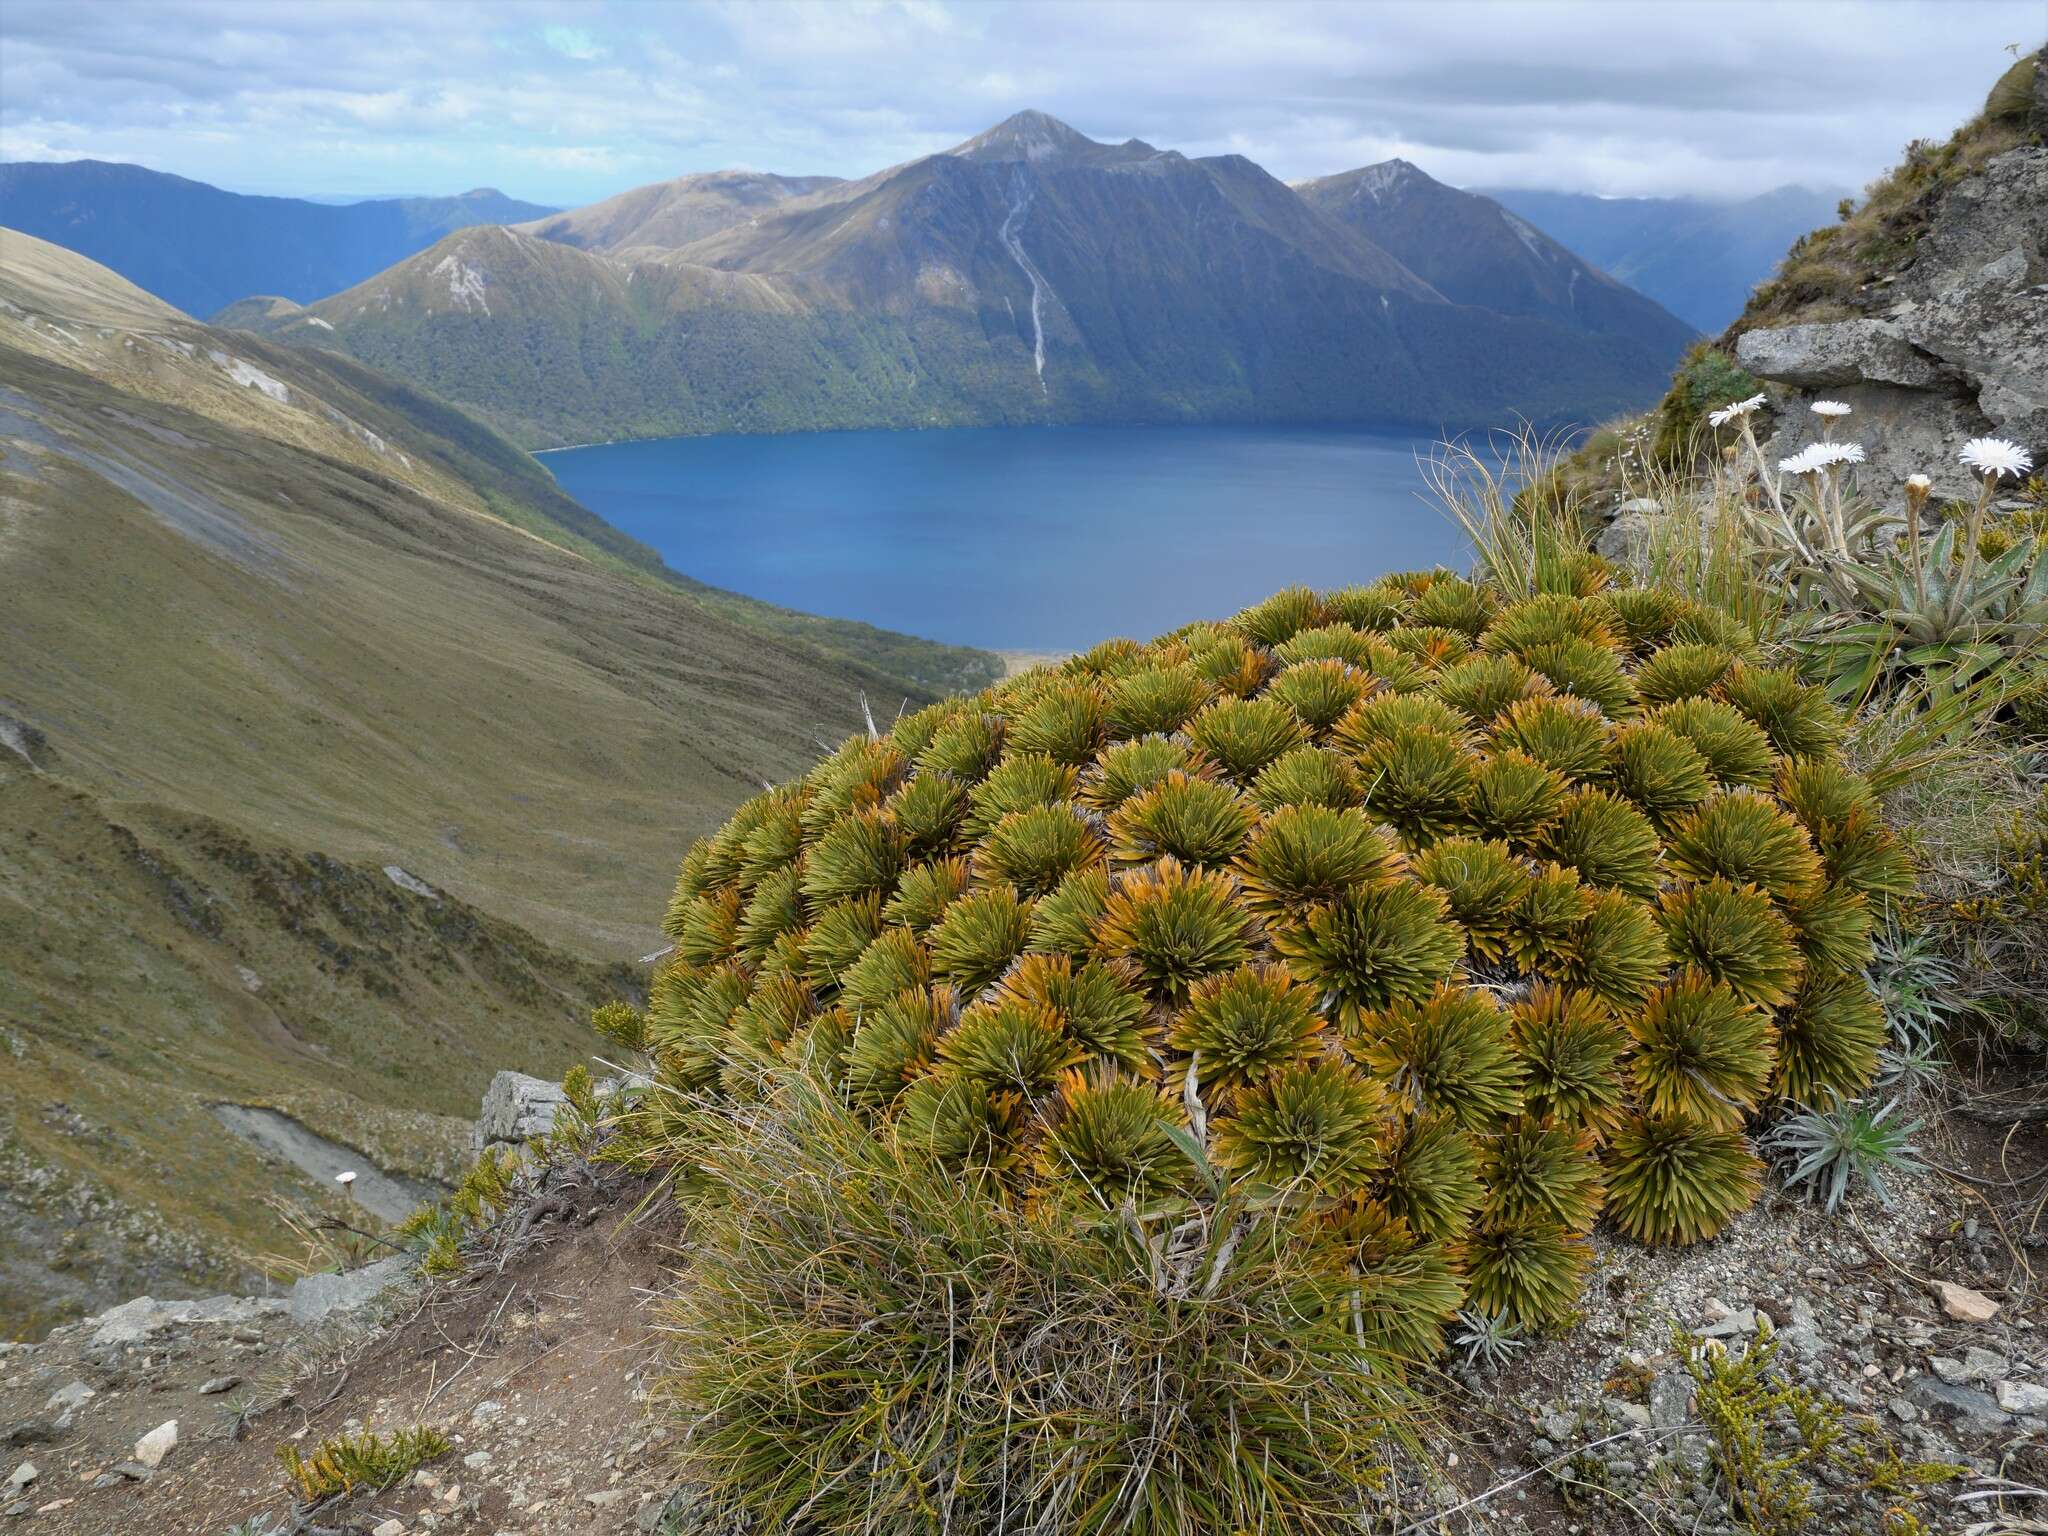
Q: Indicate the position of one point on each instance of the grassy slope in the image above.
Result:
(270, 657)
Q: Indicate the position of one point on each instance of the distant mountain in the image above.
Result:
(1477, 252)
(670, 214)
(273, 626)
(1031, 274)
(199, 248)
(1698, 259)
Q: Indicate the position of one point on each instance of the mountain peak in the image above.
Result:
(1027, 135)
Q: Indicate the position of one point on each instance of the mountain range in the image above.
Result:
(1028, 275)
(199, 248)
(1697, 258)
(334, 741)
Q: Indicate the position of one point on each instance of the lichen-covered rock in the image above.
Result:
(516, 1108)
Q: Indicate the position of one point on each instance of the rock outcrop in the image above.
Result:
(1957, 347)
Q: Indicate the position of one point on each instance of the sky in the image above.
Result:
(567, 103)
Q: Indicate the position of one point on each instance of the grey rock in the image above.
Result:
(516, 1108)
(214, 1386)
(1967, 1406)
(1737, 1324)
(37, 1431)
(1977, 1367)
(2022, 1396)
(317, 1297)
(70, 1398)
(1835, 352)
(1671, 1400)
(135, 1321)
(22, 1476)
(134, 1471)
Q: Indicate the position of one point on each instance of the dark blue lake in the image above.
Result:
(1021, 538)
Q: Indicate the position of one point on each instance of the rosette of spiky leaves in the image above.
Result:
(1407, 1289)
(1571, 1047)
(1585, 669)
(1317, 1121)
(1280, 617)
(1837, 808)
(958, 1124)
(1306, 776)
(1451, 602)
(1155, 700)
(1829, 1038)
(1020, 782)
(1619, 952)
(979, 936)
(1545, 620)
(1514, 797)
(775, 908)
(1700, 624)
(1232, 665)
(1241, 736)
(1831, 925)
(1068, 723)
(773, 1012)
(1242, 1027)
(1797, 717)
(841, 933)
(1130, 768)
(1608, 841)
(1482, 884)
(1431, 647)
(1109, 658)
(928, 812)
(1010, 1046)
(622, 1024)
(1701, 1053)
(1486, 687)
(1418, 781)
(858, 777)
(1093, 1003)
(1035, 850)
(1326, 642)
(1745, 838)
(1542, 1170)
(1568, 735)
(1525, 1270)
(1305, 855)
(1658, 769)
(1430, 1176)
(1643, 617)
(893, 1044)
(1544, 928)
(689, 1020)
(1320, 693)
(1682, 672)
(1373, 946)
(860, 856)
(1735, 750)
(1197, 821)
(893, 963)
(966, 745)
(1375, 607)
(691, 883)
(1382, 714)
(913, 732)
(707, 928)
(777, 839)
(924, 893)
(1394, 670)
(1175, 925)
(786, 956)
(1449, 1053)
(1108, 1140)
(1675, 1181)
(1735, 935)
(1064, 923)
(819, 1049)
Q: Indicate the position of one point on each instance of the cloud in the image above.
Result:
(569, 102)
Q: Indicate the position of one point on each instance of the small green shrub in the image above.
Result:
(340, 1466)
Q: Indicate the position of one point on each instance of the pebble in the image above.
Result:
(218, 1385)
(23, 1475)
(2022, 1397)
(1964, 1304)
(153, 1447)
(391, 1527)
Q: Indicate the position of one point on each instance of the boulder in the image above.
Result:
(153, 1447)
(134, 1321)
(516, 1108)
(318, 1297)
(1834, 353)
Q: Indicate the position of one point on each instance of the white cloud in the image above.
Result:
(569, 102)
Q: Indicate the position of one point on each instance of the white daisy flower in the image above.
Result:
(1801, 463)
(1827, 455)
(1921, 483)
(1994, 458)
(1735, 411)
(1829, 408)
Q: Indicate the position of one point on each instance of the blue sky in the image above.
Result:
(566, 103)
